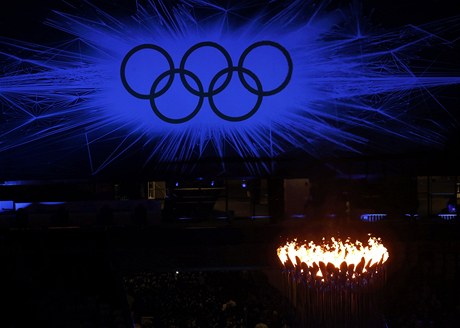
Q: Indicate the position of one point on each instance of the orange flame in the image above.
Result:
(336, 253)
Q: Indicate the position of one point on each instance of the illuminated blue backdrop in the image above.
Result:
(176, 83)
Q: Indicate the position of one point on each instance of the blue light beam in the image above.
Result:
(352, 88)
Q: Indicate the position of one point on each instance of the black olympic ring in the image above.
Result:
(212, 89)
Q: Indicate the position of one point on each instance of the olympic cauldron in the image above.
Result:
(334, 283)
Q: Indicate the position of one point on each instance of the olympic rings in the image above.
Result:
(125, 62)
(212, 89)
(259, 94)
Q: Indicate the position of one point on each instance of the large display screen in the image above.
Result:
(192, 87)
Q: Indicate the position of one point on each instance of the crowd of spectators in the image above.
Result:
(204, 299)
(424, 291)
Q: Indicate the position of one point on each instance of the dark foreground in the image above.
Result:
(210, 274)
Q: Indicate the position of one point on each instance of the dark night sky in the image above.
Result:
(24, 18)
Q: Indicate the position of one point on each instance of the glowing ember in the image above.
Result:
(333, 258)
